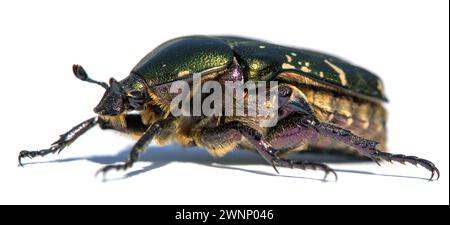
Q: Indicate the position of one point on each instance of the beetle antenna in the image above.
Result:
(81, 74)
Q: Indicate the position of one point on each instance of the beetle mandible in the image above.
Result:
(324, 102)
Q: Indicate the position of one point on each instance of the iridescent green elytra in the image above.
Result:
(195, 54)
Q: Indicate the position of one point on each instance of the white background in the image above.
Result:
(405, 42)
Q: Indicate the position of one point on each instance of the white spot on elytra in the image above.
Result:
(305, 69)
(288, 58)
(339, 71)
(287, 66)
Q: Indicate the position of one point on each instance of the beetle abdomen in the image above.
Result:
(364, 118)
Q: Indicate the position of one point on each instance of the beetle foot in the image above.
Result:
(64, 140)
(32, 154)
(410, 159)
(25, 153)
(304, 165)
(117, 167)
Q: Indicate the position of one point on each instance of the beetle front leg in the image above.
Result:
(64, 140)
(140, 146)
(262, 146)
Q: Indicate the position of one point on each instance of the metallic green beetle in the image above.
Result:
(323, 103)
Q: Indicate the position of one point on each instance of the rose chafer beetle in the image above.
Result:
(324, 102)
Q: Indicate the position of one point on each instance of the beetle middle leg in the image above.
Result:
(64, 140)
(232, 131)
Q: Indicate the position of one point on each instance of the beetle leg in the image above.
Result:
(411, 159)
(64, 140)
(140, 146)
(266, 150)
(368, 148)
(304, 165)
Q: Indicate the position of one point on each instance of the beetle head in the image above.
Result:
(128, 94)
(113, 101)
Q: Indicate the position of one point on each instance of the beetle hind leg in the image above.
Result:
(64, 140)
(410, 159)
(368, 148)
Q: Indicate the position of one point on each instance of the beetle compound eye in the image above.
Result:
(136, 100)
(136, 95)
(136, 103)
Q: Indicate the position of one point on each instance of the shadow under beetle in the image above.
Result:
(323, 102)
